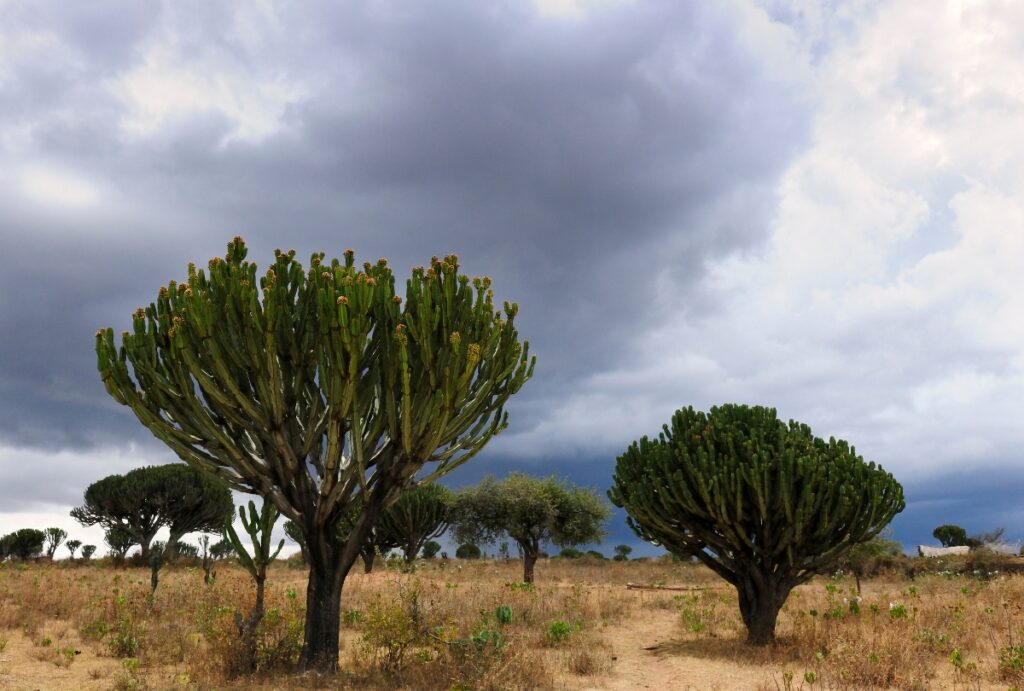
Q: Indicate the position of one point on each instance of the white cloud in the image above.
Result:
(53, 186)
(886, 307)
(232, 78)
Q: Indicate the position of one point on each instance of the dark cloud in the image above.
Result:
(566, 159)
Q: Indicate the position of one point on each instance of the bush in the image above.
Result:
(570, 553)
(467, 551)
(430, 549)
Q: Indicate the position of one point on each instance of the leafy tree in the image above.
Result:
(467, 551)
(531, 511)
(763, 504)
(419, 515)
(72, 546)
(867, 557)
(430, 549)
(570, 553)
(88, 551)
(53, 538)
(24, 544)
(320, 390)
(622, 552)
(146, 499)
(950, 535)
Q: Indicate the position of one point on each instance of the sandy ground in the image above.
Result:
(646, 656)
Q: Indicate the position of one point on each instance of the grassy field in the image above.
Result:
(97, 627)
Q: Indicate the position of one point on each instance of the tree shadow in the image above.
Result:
(727, 648)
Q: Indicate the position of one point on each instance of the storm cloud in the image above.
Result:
(692, 203)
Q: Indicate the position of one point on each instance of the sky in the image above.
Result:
(814, 206)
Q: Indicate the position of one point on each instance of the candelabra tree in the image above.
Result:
(763, 504)
(259, 526)
(419, 515)
(140, 502)
(54, 538)
(320, 389)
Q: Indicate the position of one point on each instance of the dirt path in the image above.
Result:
(649, 655)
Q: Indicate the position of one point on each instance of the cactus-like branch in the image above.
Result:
(764, 504)
(258, 525)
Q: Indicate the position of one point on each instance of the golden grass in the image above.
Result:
(436, 628)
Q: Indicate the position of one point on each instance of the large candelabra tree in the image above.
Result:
(320, 389)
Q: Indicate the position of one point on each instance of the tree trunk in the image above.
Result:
(171, 548)
(529, 560)
(368, 558)
(330, 560)
(759, 607)
(247, 629)
(323, 619)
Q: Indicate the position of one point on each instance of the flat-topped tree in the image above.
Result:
(140, 502)
(763, 504)
(118, 504)
(319, 389)
(190, 501)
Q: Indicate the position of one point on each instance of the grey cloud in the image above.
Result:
(577, 163)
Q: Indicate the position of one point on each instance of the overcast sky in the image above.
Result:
(812, 206)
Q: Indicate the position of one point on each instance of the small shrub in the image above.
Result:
(558, 632)
(503, 614)
(1011, 663)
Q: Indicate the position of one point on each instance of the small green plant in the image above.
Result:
(1011, 662)
(810, 677)
(559, 632)
(487, 639)
(3, 644)
(897, 611)
(503, 614)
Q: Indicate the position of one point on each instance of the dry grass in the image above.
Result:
(436, 628)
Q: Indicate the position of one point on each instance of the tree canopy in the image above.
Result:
(532, 511)
(763, 504)
(951, 536)
(146, 499)
(26, 543)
